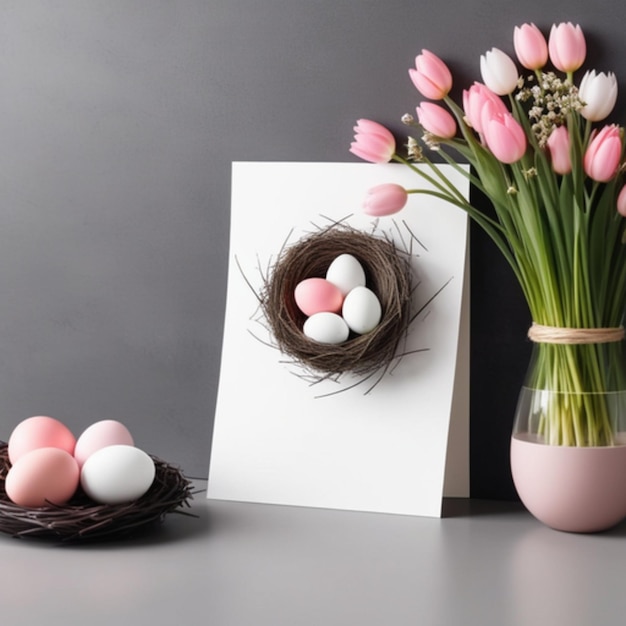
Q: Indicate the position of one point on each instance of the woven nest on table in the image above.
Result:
(388, 274)
(81, 519)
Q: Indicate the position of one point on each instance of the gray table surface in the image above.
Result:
(240, 564)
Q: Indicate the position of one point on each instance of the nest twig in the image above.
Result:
(388, 275)
(81, 519)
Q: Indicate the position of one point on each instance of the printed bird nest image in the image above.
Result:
(81, 519)
(339, 301)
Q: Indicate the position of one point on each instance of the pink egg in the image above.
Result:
(39, 432)
(317, 295)
(101, 435)
(42, 477)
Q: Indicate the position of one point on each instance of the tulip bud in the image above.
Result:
(567, 47)
(531, 47)
(431, 76)
(558, 145)
(373, 142)
(621, 202)
(601, 160)
(598, 93)
(436, 120)
(385, 199)
(504, 137)
(474, 100)
(499, 72)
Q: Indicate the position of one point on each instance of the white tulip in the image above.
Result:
(598, 93)
(499, 72)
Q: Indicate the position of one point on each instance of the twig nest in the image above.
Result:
(387, 277)
(82, 519)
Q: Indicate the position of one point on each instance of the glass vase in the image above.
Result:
(568, 447)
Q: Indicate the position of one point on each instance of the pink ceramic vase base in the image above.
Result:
(574, 489)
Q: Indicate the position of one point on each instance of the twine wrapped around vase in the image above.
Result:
(539, 333)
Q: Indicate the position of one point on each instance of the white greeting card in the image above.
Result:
(403, 445)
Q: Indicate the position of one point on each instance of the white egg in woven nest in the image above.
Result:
(117, 474)
(362, 310)
(325, 327)
(346, 273)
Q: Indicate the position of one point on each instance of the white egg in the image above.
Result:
(117, 474)
(346, 273)
(362, 310)
(326, 328)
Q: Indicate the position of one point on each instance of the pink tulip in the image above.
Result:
(567, 47)
(601, 160)
(436, 120)
(491, 108)
(474, 100)
(504, 137)
(431, 76)
(559, 149)
(385, 199)
(373, 142)
(531, 47)
(621, 202)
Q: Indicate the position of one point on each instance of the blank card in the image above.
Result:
(397, 447)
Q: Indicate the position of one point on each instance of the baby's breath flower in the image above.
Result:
(550, 101)
(414, 150)
(431, 141)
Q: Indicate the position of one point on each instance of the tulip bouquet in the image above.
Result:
(540, 150)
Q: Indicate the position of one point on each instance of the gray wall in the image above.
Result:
(118, 123)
